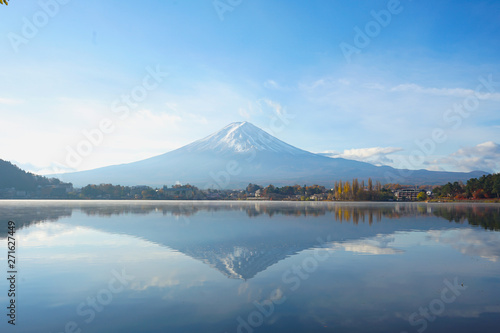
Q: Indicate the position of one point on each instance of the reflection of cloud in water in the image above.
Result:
(473, 312)
(51, 235)
(375, 246)
(470, 242)
(50, 243)
(464, 311)
(155, 281)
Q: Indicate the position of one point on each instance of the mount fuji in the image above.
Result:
(242, 153)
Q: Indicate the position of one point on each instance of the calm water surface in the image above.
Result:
(252, 267)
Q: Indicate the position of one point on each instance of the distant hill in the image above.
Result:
(12, 176)
(242, 153)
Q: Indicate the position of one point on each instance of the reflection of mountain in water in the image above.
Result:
(240, 262)
(242, 239)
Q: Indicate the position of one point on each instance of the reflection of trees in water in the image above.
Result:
(372, 213)
(487, 216)
(346, 213)
(30, 214)
(354, 214)
(183, 209)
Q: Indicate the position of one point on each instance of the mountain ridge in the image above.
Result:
(241, 153)
(11, 176)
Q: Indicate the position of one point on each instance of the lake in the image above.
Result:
(150, 266)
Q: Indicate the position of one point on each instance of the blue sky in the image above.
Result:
(420, 89)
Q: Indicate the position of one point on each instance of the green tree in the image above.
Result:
(355, 188)
(253, 187)
(149, 194)
(361, 191)
(270, 189)
(496, 185)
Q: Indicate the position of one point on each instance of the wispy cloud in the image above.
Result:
(374, 155)
(379, 245)
(325, 82)
(43, 169)
(10, 101)
(453, 92)
(469, 242)
(484, 156)
(271, 84)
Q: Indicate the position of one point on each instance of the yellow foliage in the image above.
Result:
(347, 187)
(4, 2)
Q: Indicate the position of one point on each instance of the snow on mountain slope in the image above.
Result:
(241, 137)
(242, 153)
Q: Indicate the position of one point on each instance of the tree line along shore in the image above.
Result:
(19, 184)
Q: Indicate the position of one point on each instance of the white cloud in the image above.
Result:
(46, 235)
(456, 92)
(265, 109)
(271, 84)
(155, 282)
(9, 101)
(43, 169)
(371, 109)
(484, 157)
(487, 149)
(275, 106)
(322, 83)
(435, 168)
(374, 155)
(451, 92)
(379, 245)
(369, 249)
(470, 242)
(382, 110)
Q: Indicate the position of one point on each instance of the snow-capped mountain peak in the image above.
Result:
(242, 153)
(241, 137)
